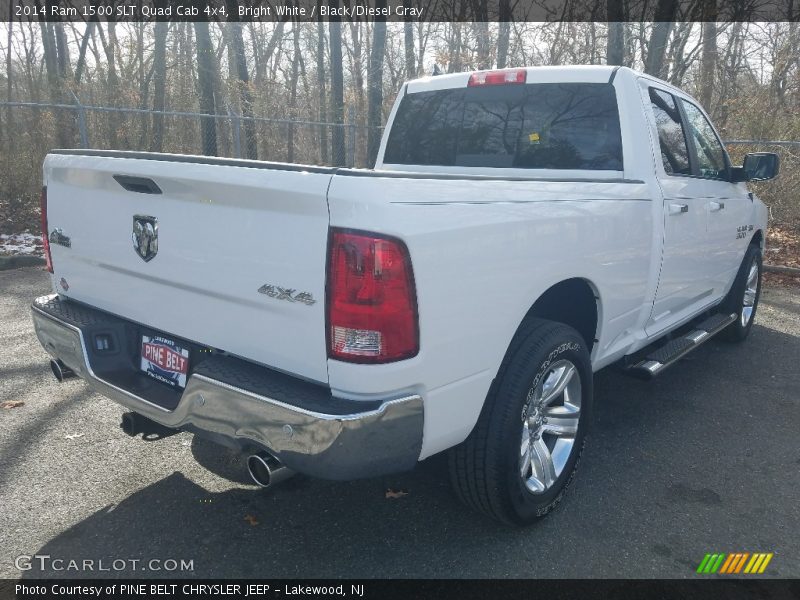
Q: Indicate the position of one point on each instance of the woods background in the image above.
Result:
(320, 92)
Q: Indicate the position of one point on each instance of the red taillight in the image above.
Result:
(372, 306)
(501, 77)
(45, 240)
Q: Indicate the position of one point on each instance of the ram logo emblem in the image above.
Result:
(145, 236)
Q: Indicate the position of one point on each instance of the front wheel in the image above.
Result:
(518, 461)
(743, 297)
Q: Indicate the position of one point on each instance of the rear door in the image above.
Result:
(684, 282)
(224, 253)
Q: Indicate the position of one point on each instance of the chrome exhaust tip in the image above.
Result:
(60, 370)
(266, 470)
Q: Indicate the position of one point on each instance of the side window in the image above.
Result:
(710, 153)
(671, 136)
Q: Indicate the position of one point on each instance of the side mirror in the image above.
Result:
(758, 166)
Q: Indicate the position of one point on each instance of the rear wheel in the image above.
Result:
(518, 461)
(743, 297)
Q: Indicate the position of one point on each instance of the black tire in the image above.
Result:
(734, 301)
(485, 469)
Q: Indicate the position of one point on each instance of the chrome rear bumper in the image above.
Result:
(386, 438)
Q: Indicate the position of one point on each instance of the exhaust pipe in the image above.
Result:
(129, 423)
(133, 424)
(60, 370)
(266, 470)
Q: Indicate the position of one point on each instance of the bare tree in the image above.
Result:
(8, 94)
(243, 85)
(615, 50)
(503, 33)
(709, 59)
(408, 38)
(322, 93)
(205, 84)
(55, 65)
(337, 89)
(293, 89)
(657, 47)
(87, 35)
(375, 84)
(159, 85)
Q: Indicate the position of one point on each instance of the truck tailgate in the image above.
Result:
(225, 230)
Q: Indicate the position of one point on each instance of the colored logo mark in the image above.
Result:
(735, 563)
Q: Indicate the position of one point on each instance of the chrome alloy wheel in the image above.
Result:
(549, 426)
(750, 290)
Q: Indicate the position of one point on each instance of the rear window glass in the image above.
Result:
(534, 126)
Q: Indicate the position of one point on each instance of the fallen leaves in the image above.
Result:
(251, 519)
(783, 250)
(12, 404)
(392, 493)
(783, 246)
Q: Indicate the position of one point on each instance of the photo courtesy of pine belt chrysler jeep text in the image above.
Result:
(522, 229)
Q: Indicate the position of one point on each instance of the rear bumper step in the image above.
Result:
(243, 404)
(656, 361)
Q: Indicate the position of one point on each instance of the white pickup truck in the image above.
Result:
(522, 229)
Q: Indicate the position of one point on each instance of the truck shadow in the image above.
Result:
(639, 479)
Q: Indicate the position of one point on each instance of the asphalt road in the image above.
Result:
(704, 459)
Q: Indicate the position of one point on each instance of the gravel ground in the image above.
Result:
(704, 459)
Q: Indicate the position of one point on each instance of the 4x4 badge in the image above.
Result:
(145, 236)
(279, 293)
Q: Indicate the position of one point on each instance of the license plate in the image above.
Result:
(164, 360)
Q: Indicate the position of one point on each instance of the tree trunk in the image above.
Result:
(483, 44)
(159, 85)
(293, 90)
(112, 81)
(615, 51)
(408, 38)
(205, 84)
(50, 61)
(87, 35)
(454, 48)
(323, 104)
(375, 85)
(54, 80)
(708, 60)
(9, 134)
(63, 51)
(657, 46)
(503, 33)
(357, 72)
(337, 89)
(245, 95)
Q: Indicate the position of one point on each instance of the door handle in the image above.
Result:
(677, 209)
(715, 206)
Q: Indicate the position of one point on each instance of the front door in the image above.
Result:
(728, 205)
(684, 285)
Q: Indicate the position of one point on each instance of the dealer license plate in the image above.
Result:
(164, 360)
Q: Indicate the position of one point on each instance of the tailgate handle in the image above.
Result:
(141, 185)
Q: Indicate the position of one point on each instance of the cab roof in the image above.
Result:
(550, 74)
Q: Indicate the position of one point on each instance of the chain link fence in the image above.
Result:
(781, 194)
(28, 130)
